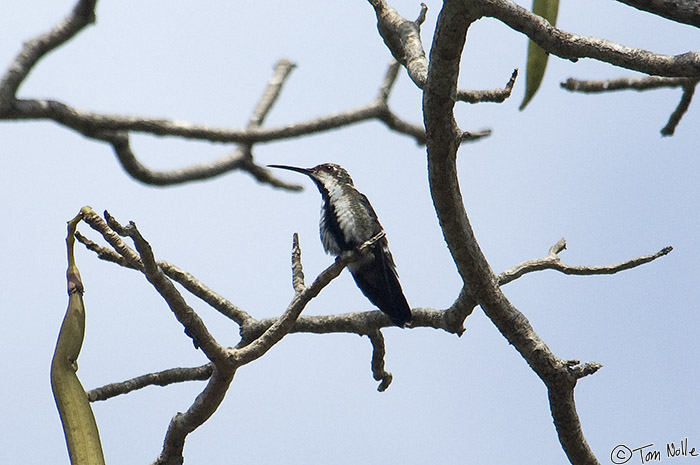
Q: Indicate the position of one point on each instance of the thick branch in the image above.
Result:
(402, 37)
(479, 279)
(200, 411)
(682, 11)
(572, 46)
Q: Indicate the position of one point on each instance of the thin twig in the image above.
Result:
(378, 352)
(675, 118)
(187, 280)
(297, 268)
(628, 83)
(97, 223)
(641, 84)
(146, 263)
(34, 50)
(198, 289)
(161, 378)
(553, 262)
(492, 95)
(193, 324)
(281, 326)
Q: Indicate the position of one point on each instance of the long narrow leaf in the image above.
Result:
(536, 56)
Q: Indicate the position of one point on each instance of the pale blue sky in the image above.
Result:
(593, 169)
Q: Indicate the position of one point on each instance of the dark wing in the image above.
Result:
(379, 282)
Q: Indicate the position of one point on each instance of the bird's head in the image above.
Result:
(324, 175)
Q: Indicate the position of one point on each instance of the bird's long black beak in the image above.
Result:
(305, 171)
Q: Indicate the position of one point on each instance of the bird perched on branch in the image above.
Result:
(347, 221)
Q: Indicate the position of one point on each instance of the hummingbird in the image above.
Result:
(347, 221)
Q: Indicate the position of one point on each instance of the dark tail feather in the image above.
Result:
(378, 281)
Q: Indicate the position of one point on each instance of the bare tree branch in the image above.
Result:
(559, 376)
(128, 255)
(450, 320)
(96, 125)
(579, 371)
(553, 262)
(200, 411)
(104, 253)
(192, 284)
(211, 397)
(358, 322)
(378, 353)
(572, 47)
(198, 289)
(479, 280)
(492, 95)
(34, 50)
(633, 83)
(241, 158)
(437, 77)
(161, 378)
(675, 118)
(194, 326)
(640, 84)
(682, 11)
(225, 361)
(209, 400)
(297, 268)
(402, 37)
(115, 129)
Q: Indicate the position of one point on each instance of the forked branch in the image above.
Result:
(480, 283)
(116, 129)
(402, 38)
(553, 262)
(640, 84)
(572, 46)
